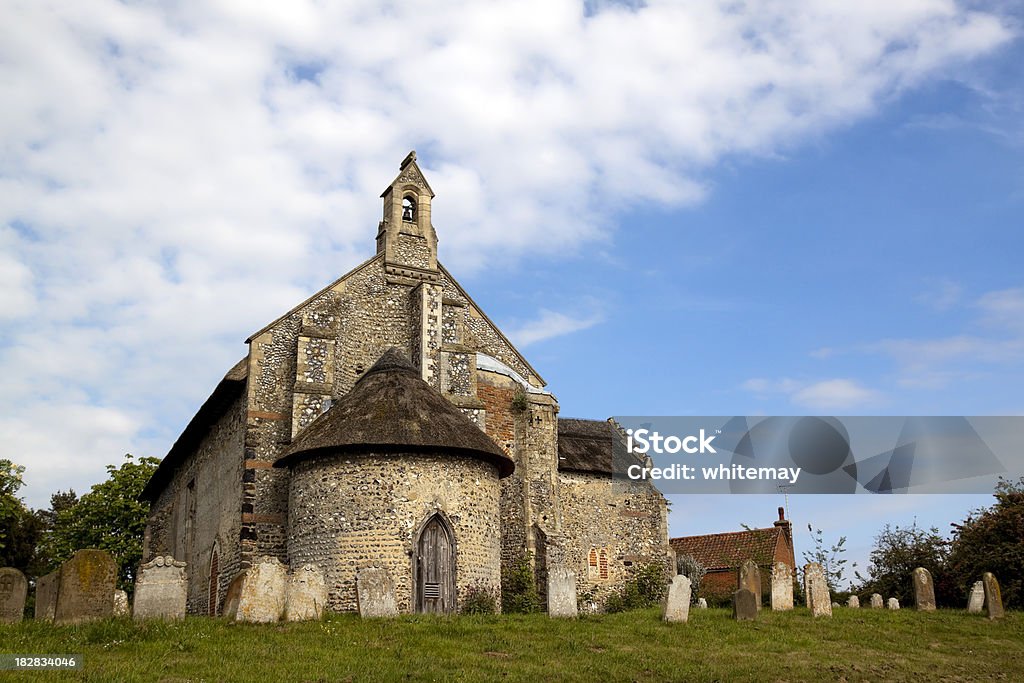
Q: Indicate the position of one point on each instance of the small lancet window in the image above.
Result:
(409, 210)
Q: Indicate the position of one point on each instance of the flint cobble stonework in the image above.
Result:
(363, 511)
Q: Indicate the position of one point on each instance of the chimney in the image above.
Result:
(782, 514)
(784, 523)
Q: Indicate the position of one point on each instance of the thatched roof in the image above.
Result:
(585, 445)
(390, 409)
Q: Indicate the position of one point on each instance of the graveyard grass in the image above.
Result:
(856, 644)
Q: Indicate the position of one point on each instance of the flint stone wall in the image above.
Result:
(354, 512)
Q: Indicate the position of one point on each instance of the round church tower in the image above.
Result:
(393, 476)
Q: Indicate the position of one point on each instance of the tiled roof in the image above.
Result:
(730, 550)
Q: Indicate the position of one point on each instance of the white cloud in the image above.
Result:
(175, 175)
(551, 324)
(823, 395)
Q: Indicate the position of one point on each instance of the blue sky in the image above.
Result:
(695, 208)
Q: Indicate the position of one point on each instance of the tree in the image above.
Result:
(691, 568)
(830, 558)
(20, 527)
(900, 550)
(110, 517)
(992, 540)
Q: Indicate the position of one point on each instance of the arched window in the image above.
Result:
(409, 209)
(214, 597)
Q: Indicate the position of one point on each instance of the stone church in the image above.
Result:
(387, 422)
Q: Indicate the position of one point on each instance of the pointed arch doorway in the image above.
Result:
(434, 570)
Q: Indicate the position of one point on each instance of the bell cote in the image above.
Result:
(405, 235)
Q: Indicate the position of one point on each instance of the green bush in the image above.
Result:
(645, 589)
(480, 599)
(518, 587)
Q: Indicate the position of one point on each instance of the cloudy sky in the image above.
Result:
(773, 207)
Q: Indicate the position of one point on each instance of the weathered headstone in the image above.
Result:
(749, 577)
(782, 587)
(47, 588)
(676, 605)
(993, 597)
(893, 603)
(375, 593)
(702, 603)
(13, 591)
(161, 590)
(819, 600)
(976, 600)
(232, 595)
(744, 605)
(121, 604)
(924, 590)
(86, 590)
(261, 599)
(876, 601)
(306, 594)
(853, 602)
(562, 593)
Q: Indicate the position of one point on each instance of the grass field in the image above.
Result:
(863, 644)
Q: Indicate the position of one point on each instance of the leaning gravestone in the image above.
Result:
(924, 590)
(160, 590)
(232, 596)
(977, 598)
(375, 593)
(818, 598)
(676, 605)
(562, 594)
(749, 577)
(306, 594)
(853, 602)
(876, 601)
(744, 605)
(702, 603)
(13, 591)
(782, 587)
(993, 597)
(262, 591)
(893, 603)
(86, 587)
(46, 596)
(121, 604)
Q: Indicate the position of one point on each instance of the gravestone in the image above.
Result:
(121, 604)
(676, 605)
(782, 587)
(13, 591)
(876, 601)
(924, 590)
(993, 597)
(86, 590)
(893, 603)
(853, 602)
(375, 593)
(232, 596)
(744, 605)
(561, 593)
(262, 591)
(818, 598)
(749, 577)
(976, 601)
(161, 590)
(47, 588)
(702, 603)
(306, 594)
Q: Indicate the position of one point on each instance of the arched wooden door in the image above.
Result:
(435, 568)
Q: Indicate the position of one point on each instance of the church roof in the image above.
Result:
(730, 550)
(392, 409)
(589, 445)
